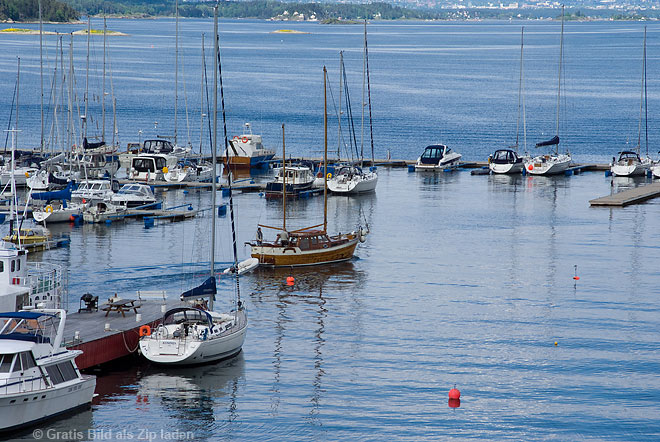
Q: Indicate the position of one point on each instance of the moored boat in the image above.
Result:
(248, 151)
(437, 157)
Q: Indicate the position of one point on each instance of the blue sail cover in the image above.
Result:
(206, 289)
(551, 142)
(64, 194)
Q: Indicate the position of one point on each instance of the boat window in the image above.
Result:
(18, 265)
(61, 372)
(27, 360)
(5, 363)
(2, 267)
(161, 162)
(13, 266)
(304, 243)
(54, 374)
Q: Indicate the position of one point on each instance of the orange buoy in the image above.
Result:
(531, 167)
(454, 393)
(145, 330)
(576, 277)
(290, 280)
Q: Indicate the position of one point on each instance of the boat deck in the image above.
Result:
(627, 197)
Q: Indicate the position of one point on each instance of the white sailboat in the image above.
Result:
(350, 180)
(196, 334)
(629, 163)
(551, 163)
(507, 161)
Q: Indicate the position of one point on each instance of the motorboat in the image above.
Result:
(188, 171)
(505, 161)
(437, 157)
(133, 195)
(103, 211)
(248, 150)
(352, 180)
(164, 147)
(91, 191)
(299, 178)
(630, 163)
(24, 283)
(35, 238)
(20, 175)
(243, 267)
(151, 167)
(39, 378)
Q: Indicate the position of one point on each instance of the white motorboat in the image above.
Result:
(437, 157)
(629, 162)
(352, 180)
(38, 376)
(133, 195)
(20, 174)
(196, 334)
(188, 172)
(299, 178)
(151, 167)
(103, 211)
(552, 163)
(248, 150)
(92, 191)
(655, 170)
(505, 161)
(243, 267)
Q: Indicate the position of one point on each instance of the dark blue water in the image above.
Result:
(464, 280)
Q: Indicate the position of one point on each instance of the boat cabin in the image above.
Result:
(157, 146)
(295, 175)
(505, 156)
(628, 157)
(434, 153)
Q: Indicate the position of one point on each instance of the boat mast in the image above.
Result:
(522, 32)
(18, 88)
(70, 94)
(325, 152)
(103, 91)
(89, 32)
(642, 100)
(341, 66)
(41, 70)
(283, 181)
(201, 112)
(214, 147)
(176, 71)
(371, 127)
(646, 104)
(561, 56)
(364, 78)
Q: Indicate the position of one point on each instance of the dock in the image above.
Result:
(106, 338)
(627, 197)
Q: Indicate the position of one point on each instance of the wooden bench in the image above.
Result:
(160, 295)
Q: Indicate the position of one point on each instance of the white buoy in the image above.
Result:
(138, 317)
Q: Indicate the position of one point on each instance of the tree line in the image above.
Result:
(28, 10)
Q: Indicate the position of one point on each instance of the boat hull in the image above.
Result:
(635, 169)
(548, 164)
(28, 408)
(293, 256)
(365, 184)
(237, 162)
(507, 168)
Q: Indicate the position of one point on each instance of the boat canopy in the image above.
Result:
(206, 289)
(88, 145)
(25, 315)
(551, 142)
(186, 313)
(64, 194)
(434, 153)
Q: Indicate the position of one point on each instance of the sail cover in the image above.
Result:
(206, 289)
(551, 142)
(64, 194)
(88, 145)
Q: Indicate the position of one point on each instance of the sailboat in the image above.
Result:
(507, 160)
(195, 334)
(629, 162)
(309, 245)
(554, 162)
(352, 179)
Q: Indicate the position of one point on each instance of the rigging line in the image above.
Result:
(646, 103)
(208, 103)
(11, 113)
(185, 99)
(229, 173)
(349, 116)
(371, 127)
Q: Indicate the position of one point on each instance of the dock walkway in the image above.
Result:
(627, 197)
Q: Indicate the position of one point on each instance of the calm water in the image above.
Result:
(464, 280)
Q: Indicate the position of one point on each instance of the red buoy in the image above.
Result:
(454, 393)
(289, 280)
(531, 167)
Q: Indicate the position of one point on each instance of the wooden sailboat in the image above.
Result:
(309, 245)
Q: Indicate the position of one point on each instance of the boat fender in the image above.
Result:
(49, 208)
(363, 234)
(289, 248)
(145, 330)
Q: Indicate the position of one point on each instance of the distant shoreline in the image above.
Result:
(18, 31)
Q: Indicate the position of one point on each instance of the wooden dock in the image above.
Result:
(627, 197)
(106, 338)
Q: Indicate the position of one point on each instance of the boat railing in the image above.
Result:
(48, 282)
(18, 385)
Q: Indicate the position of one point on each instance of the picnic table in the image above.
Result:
(122, 306)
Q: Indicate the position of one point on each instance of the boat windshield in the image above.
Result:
(27, 326)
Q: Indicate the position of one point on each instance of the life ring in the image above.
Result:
(235, 137)
(145, 330)
(329, 175)
(49, 208)
(245, 140)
